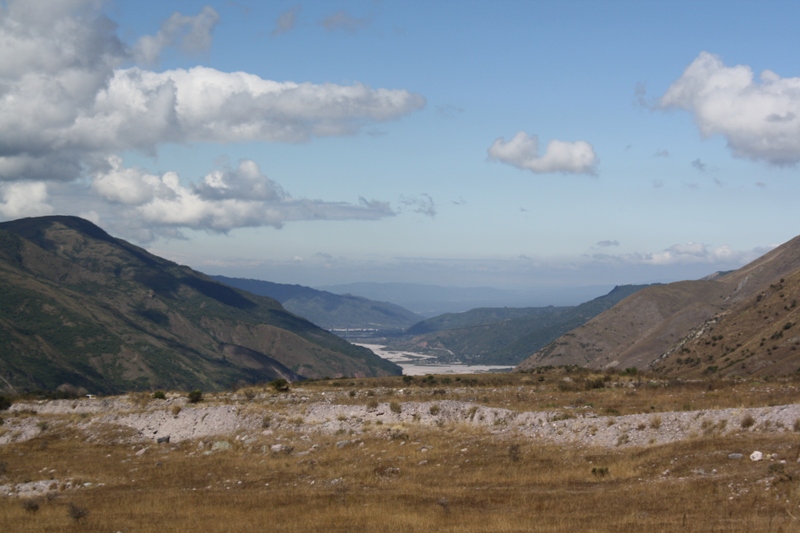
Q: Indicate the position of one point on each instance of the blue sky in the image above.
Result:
(515, 144)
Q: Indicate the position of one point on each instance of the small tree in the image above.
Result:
(195, 396)
(280, 385)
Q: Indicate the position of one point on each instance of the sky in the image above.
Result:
(511, 144)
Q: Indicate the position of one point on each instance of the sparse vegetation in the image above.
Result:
(379, 478)
(159, 395)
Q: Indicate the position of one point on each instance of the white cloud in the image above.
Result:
(759, 119)
(522, 151)
(685, 254)
(191, 34)
(65, 102)
(24, 199)
(223, 201)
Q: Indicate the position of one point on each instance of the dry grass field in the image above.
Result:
(409, 476)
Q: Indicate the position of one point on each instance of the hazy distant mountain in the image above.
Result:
(80, 307)
(739, 322)
(326, 309)
(433, 300)
(502, 335)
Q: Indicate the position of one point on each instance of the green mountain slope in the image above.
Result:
(501, 336)
(80, 307)
(328, 310)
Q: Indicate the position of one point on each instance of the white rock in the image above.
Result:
(756, 456)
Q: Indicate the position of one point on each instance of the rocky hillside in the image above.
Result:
(328, 310)
(739, 322)
(82, 308)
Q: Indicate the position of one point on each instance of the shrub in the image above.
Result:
(280, 385)
(176, 409)
(195, 396)
(30, 505)
(408, 379)
(5, 403)
(159, 395)
(372, 404)
(77, 513)
(748, 421)
(434, 409)
(395, 407)
(655, 422)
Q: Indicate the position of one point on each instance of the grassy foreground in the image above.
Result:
(421, 478)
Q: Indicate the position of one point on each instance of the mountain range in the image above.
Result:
(329, 310)
(501, 336)
(743, 322)
(79, 307)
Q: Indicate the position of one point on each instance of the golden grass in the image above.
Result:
(411, 477)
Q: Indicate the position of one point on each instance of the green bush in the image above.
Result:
(280, 385)
(195, 396)
(159, 395)
(5, 403)
(395, 407)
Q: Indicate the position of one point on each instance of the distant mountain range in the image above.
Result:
(501, 336)
(329, 310)
(79, 307)
(744, 322)
(433, 300)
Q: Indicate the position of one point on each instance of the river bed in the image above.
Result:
(414, 364)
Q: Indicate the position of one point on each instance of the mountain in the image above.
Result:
(502, 336)
(328, 310)
(82, 308)
(434, 300)
(738, 322)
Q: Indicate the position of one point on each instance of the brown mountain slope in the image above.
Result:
(648, 325)
(759, 335)
(80, 307)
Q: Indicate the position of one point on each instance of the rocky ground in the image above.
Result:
(234, 416)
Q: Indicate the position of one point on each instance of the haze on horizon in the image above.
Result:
(513, 144)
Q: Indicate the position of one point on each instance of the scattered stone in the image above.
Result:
(141, 452)
(756, 456)
(221, 445)
(342, 443)
(163, 440)
(281, 448)
(735, 456)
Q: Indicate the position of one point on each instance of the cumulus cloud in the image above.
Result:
(24, 199)
(66, 102)
(758, 118)
(344, 21)
(224, 200)
(191, 33)
(286, 22)
(522, 151)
